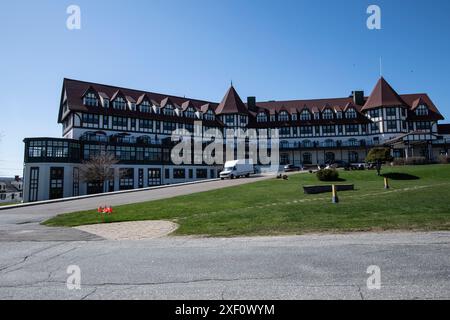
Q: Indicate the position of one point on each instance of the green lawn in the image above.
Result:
(417, 200)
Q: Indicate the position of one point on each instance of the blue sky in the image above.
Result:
(271, 49)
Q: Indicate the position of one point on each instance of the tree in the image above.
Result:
(98, 169)
(379, 155)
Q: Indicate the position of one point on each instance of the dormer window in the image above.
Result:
(189, 113)
(283, 116)
(133, 106)
(119, 103)
(327, 114)
(168, 110)
(305, 115)
(350, 114)
(90, 99)
(272, 117)
(145, 107)
(294, 117)
(261, 117)
(105, 103)
(209, 115)
(422, 110)
(316, 115)
(339, 115)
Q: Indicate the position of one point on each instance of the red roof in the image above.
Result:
(444, 128)
(231, 103)
(383, 95)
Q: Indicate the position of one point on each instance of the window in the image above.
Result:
(353, 157)
(390, 112)
(327, 114)
(90, 120)
(329, 130)
(261, 117)
(167, 174)
(374, 113)
(140, 178)
(34, 183)
(307, 158)
(212, 174)
(329, 143)
(306, 130)
(329, 157)
(168, 110)
(57, 149)
(307, 144)
(154, 177)
(191, 173)
(350, 113)
(422, 110)
(339, 115)
(119, 103)
(201, 173)
(168, 127)
(351, 128)
(56, 182)
(391, 125)
(76, 182)
(145, 107)
(126, 180)
(106, 103)
(189, 113)
(285, 131)
(423, 125)
(145, 125)
(305, 115)
(209, 115)
(119, 123)
(105, 122)
(90, 99)
(179, 173)
(374, 127)
(353, 142)
(283, 116)
(229, 119)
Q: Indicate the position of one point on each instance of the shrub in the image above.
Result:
(327, 175)
(416, 161)
(379, 154)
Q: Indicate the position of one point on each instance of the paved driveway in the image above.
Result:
(23, 223)
(412, 265)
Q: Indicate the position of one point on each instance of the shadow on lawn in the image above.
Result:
(400, 176)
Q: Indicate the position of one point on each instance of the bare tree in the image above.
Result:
(98, 169)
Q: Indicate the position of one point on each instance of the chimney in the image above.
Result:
(358, 97)
(17, 178)
(251, 102)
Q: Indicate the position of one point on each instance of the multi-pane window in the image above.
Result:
(261, 117)
(36, 149)
(374, 113)
(57, 149)
(56, 182)
(189, 113)
(306, 130)
(229, 119)
(285, 131)
(423, 125)
(154, 177)
(90, 120)
(327, 114)
(105, 122)
(145, 125)
(283, 116)
(106, 103)
(119, 123)
(350, 113)
(351, 128)
(119, 103)
(76, 182)
(328, 130)
(243, 119)
(374, 127)
(145, 107)
(209, 115)
(168, 127)
(34, 183)
(353, 142)
(307, 158)
(391, 112)
(90, 99)
(168, 110)
(422, 110)
(126, 180)
(391, 125)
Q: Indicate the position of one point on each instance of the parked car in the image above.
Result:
(291, 167)
(237, 168)
(339, 164)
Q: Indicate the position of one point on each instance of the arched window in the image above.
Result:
(350, 113)
(283, 116)
(422, 110)
(307, 158)
(261, 117)
(353, 142)
(329, 157)
(305, 115)
(327, 114)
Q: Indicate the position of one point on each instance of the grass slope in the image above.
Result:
(417, 199)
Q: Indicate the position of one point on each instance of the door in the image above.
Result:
(154, 177)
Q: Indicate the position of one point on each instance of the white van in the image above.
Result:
(237, 168)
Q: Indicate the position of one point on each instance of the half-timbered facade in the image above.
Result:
(136, 127)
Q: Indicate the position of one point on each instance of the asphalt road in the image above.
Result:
(412, 266)
(34, 261)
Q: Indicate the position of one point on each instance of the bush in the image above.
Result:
(444, 159)
(415, 161)
(327, 175)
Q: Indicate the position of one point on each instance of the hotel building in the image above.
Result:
(136, 127)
